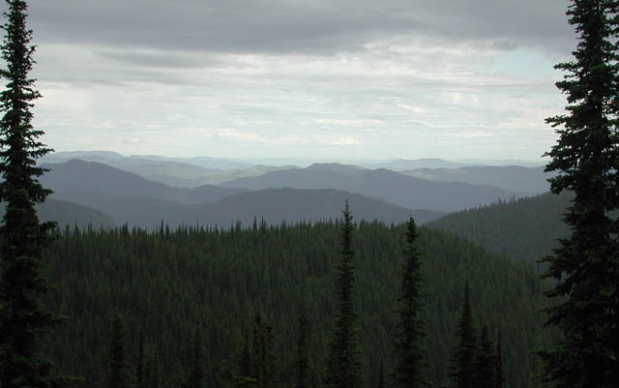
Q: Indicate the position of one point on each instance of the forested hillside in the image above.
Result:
(165, 284)
(524, 229)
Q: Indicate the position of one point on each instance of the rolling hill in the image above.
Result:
(524, 229)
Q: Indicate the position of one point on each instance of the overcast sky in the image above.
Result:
(332, 79)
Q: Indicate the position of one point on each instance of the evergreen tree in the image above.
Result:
(23, 319)
(117, 373)
(196, 362)
(485, 362)
(302, 362)
(409, 355)
(586, 157)
(343, 366)
(463, 362)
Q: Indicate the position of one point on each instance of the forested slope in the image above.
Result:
(165, 283)
(525, 229)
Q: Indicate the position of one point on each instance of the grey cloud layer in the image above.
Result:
(295, 26)
(270, 78)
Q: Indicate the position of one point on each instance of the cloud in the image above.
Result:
(293, 26)
(270, 78)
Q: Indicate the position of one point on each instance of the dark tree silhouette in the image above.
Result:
(586, 157)
(409, 355)
(343, 366)
(23, 319)
(463, 361)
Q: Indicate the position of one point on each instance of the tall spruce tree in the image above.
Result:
(586, 157)
(409, 354)
(462, 369)
(343, 366)
(23, 319)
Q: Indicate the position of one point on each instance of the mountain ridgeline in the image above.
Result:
(275, 196)
(403, 190)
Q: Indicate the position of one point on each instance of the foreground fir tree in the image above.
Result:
(586, 157)
(23, 318)
(343, 366)
(409, 354)
(463, 362)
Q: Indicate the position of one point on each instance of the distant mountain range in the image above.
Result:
(114, 157)
(180, 172)
(78, 176)
(530, 180)
(317, 192)
(412, 164)
(129, 198)
(387, 185)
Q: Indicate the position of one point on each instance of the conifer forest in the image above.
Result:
(197, 272)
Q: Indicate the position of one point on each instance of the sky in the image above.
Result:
(323, 80)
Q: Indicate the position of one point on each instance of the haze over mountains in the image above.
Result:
(529, 180)
(384, 184)
(129, 198)
(146, 190)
